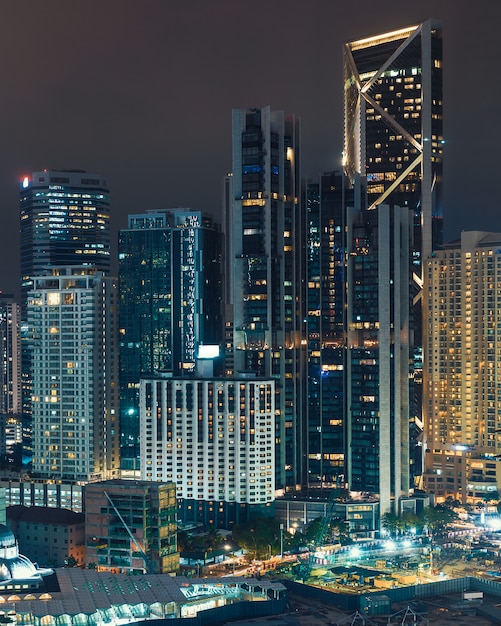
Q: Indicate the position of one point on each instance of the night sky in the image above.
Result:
(142, 92)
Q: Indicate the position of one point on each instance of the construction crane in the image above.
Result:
(149, 569)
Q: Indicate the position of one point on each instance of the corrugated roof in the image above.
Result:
(85, 591)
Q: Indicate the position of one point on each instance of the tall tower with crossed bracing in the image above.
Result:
(393, 151)
(393, 123)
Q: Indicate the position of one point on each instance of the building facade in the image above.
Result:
(463, 356)
(378, 353)
(50, 537)
(326, 318)
(41, 493)
(65, 220)
(214, 438)
(393, 150)
(10, 375)
(73, 320)
(393, 123)
(170, 305)
(131, 526)
(263, 295)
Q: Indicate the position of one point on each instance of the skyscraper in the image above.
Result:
(462, 364)
(378, 304)
(393, 123)
(264, 300)
(393, 152)
(65, 218)
(73, 322)
(170, 304)
(10, 373)
(326, 320)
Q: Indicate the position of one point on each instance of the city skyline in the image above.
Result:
(142, 84)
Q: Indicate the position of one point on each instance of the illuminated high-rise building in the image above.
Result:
(215, 438)
(65, 217)
(73, 325)
(393, 123)
(170, 305)
(462, 439)
(325, 322)
(65, 221)
(264, 298)
(378, 352)
(393, 151)
(10, 373)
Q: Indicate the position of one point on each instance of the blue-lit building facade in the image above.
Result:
(170, 305)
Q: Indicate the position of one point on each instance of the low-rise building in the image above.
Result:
(41, 492)
(131, 526)
(52, 537)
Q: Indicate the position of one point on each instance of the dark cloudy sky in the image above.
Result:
(142, 91)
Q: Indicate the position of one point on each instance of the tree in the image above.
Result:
(390, 522)
(408, 521)
(259, 536)
(436, 518)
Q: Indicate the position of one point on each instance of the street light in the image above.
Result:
(281, 541)
(231, 556)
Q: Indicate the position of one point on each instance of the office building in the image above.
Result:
(64, 221)
(264, 298)
(462, 364)
(393, 150)
(214, 438)
(131, 527)
(325, 320)
(72, 316)
(378, 353)
(170, 305)
(10, 375)
(65, 217)
(393, 123)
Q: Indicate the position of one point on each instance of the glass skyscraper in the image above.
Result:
(393, 155)
(377, 372)
(65, 220)
(170, 305)
(264, 297)
(325, 315)
(393, 123)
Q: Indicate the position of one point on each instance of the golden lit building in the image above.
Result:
(462, 363)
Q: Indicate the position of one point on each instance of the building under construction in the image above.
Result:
(131, 527)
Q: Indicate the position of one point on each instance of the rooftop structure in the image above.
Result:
(117, 599)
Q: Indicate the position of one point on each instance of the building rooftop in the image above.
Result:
(119, 596)
(44, 515)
